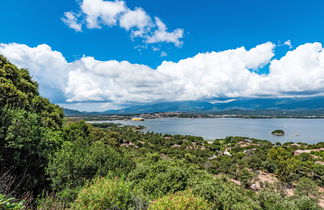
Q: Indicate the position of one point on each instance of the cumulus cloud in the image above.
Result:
(71, 20)
(226, 74)
(137, 20)
(99, 13)
(48, 67)
(162, 35)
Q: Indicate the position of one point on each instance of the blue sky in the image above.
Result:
(208, 25)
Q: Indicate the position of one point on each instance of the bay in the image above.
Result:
(296, 130)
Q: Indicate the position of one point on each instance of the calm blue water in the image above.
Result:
(297, 130)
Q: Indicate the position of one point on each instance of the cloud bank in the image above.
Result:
(227, 74)
(99, 13)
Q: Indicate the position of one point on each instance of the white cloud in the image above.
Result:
(230, 73)
(48, 67)
(162, 35)
(300, 70)
(259, 56)
(71, 20)
(98, 13)
(288, 43)
(222, 101)
(137, 19)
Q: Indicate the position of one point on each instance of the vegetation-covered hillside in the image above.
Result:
(51, 163)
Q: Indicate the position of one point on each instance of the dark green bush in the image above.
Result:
(81, 160)
(162, 177)
(222, 193)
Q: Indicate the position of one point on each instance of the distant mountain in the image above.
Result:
(214, 106)
(296, 104)
(72, 112)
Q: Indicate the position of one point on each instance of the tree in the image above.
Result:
(25, 146)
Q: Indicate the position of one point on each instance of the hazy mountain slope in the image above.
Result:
(314, 103)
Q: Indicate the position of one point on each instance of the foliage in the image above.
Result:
(245, 177)
(50, 201)
(286, 166)
(162, 177)
(106, 193)
(81, 160)
(29, 131)
(307, 187)
(185, 200)
(278, 132)
(25, 146)
(222, 193)
(271, 200)
(9, 203)
(19, 91)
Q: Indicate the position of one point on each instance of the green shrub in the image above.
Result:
(29, 131)
(162, 177)
(105, 193)
(185, 200)
(245, 177)
(271, 200)
(223, 193)
(307, 187)
(80, 161)
(9, 203)
(25, 146)
(51, 202)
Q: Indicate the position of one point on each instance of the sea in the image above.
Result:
(296, 130)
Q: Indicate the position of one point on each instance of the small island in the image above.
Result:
(278, 132)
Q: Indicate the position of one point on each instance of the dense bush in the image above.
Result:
(223, 193)
(81, 160)
(162, 177)
(246, 177)
(29, 132)
(19, 91)
(271, 200)
(307, 187)
(25, 146)
(185, 200)
(105, 193)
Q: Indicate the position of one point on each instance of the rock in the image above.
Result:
(254, 187)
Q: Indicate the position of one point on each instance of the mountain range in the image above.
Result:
(212, 106)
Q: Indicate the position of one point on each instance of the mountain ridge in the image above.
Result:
(288, 104)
